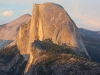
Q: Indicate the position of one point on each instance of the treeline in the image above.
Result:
(49, 46)
(9, 53)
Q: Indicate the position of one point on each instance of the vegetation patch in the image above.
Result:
(9, 53)
(49, 46)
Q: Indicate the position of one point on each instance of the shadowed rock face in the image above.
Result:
(11, 61)
(49, 21)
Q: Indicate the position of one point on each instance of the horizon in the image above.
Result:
(84, 13)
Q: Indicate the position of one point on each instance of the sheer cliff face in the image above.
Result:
(49, 20)
(52, 21)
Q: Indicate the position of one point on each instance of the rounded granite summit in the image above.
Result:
(49, 21)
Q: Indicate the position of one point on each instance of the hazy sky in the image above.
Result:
(85, 13)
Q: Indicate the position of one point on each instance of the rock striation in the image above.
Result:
(49, 21)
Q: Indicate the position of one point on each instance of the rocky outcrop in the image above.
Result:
(63, 64)
(23, 43)
(49, 21)
(47, 62)
(11, 61)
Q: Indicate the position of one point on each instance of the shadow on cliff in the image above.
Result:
(12, 62)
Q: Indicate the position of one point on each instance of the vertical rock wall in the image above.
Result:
(49, 21)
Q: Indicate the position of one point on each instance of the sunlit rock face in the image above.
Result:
(49, 21)
(9, 31)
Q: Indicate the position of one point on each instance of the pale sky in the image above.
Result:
(85, 13)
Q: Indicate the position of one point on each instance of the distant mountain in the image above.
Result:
(90, 33)
(91, 40)
(2, 26)
(8, 32)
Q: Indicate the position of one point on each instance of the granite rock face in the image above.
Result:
(8, 32)
(49, 21)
